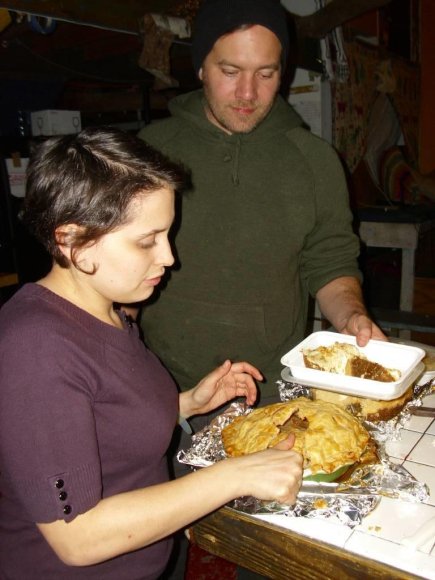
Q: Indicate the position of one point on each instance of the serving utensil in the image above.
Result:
(422, 411)
(315, 488)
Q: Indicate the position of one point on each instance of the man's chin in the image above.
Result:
(242, 126)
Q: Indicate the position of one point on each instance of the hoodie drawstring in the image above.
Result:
(235, 176)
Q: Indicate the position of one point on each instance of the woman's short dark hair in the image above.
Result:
(89, 179)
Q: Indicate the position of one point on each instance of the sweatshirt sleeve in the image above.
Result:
(331, 249)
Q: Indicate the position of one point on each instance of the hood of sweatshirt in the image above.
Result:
(191, 108)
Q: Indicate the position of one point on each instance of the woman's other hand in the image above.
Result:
(226, 382)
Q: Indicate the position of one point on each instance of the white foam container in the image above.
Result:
(406, 359)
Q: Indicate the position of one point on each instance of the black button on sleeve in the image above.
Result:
(63, 495)
(59, 483)
(67, 509)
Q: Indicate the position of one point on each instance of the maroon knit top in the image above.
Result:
(86, 412)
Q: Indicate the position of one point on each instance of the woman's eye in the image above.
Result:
(145, 244)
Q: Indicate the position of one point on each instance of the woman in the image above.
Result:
(86, 411)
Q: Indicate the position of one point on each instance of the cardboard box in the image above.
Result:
(55, 122)
(16, 167)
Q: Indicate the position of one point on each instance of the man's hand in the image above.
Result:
(363, 328)
(341, 302)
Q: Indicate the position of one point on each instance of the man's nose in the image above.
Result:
(246, 87)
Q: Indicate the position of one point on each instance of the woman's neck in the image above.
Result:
(72, 285)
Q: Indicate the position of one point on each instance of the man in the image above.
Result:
(266, 222)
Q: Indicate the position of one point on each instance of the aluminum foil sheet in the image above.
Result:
(382, 479)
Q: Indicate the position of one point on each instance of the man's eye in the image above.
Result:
(229, 73)
(266, 75)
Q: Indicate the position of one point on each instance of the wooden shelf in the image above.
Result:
(8, 279)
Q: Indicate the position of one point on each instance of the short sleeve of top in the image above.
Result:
(86, 411)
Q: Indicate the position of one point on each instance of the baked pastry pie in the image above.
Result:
(345, 359)
(429, 362)
(327, 436)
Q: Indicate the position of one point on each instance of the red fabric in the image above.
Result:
(202, 565)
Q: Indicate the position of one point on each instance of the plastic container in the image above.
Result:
(406, 359)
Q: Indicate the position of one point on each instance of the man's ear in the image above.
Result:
(200, 74)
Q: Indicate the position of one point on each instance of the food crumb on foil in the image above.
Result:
(385, 478)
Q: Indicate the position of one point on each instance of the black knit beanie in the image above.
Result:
(218, 17)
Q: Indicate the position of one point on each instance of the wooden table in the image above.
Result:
(281, 554)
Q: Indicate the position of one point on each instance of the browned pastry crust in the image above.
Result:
(327, 436)
(429, 362)
(346, 359)
(363, 408)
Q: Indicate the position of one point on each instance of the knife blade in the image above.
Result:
(316, 488)
(422, 411)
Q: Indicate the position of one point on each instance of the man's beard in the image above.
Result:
(230, 121)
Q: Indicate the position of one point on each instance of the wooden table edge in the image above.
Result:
(280, 554)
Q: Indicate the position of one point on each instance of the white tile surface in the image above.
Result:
(429, 401)
(393, 554)
(424, 473)
(402, 447)
(424, 451)
(419, 424)
(318, 529)
(394, 520)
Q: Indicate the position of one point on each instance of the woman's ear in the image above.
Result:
(65, 236)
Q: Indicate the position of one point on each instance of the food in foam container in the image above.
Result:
(346, 359)
(381, 370)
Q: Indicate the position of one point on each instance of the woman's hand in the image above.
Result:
(226, 382)
(274, 474)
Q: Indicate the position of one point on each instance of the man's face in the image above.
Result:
(241, 77)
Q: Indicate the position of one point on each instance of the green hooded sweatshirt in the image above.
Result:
(266, 222)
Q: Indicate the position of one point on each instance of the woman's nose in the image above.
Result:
(166, 257)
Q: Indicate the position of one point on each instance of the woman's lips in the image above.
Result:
(154, 281)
